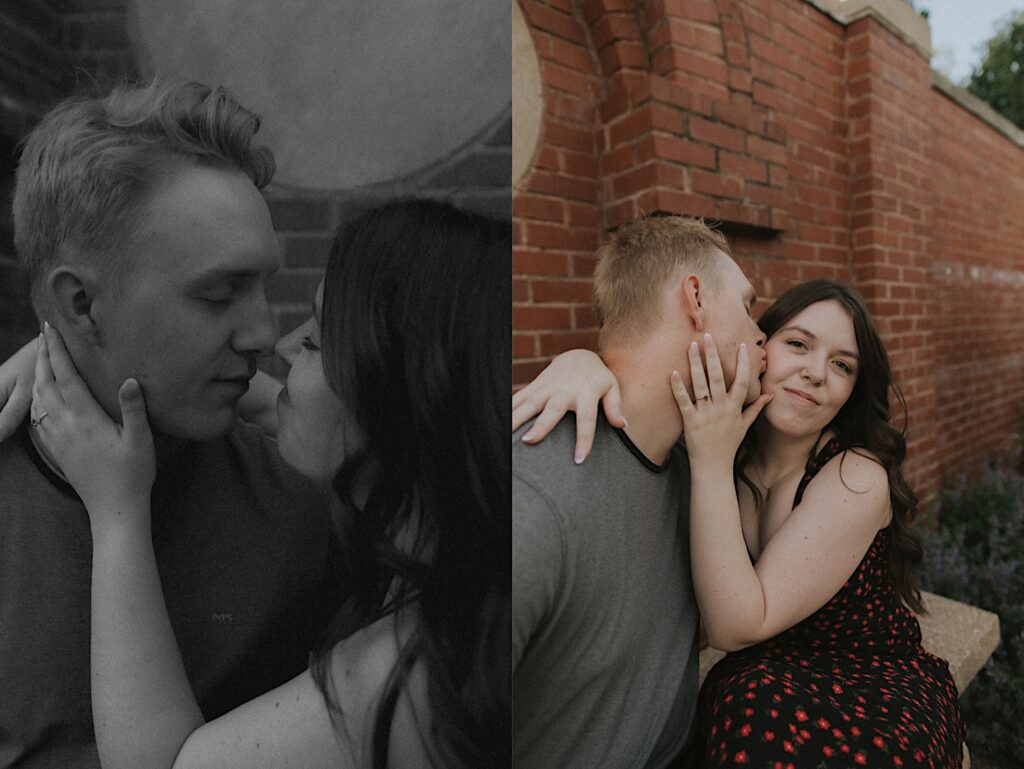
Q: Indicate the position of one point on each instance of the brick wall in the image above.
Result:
(476, 177)
(824, 149)
(82, 45)
(33, 64)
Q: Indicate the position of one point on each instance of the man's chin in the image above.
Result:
(197, 426)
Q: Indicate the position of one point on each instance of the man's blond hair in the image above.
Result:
(90, 166)
(643, 255)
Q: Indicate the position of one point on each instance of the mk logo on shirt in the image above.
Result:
(223, 616)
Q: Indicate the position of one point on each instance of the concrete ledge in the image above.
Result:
(963, 635)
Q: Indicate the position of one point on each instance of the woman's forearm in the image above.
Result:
(143, 706)
(728, 590)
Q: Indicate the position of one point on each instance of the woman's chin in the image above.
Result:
(298, 455)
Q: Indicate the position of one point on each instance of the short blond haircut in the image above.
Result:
(643, 255)
(88, 168)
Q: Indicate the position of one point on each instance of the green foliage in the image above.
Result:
(922, 12)
(999, 79)
(975, 557)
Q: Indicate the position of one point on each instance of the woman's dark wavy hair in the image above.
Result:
(416, 343)
(863, 421)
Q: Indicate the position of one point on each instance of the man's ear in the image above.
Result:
(71, 291)
(691, 297)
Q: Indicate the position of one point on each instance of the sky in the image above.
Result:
(960, 28)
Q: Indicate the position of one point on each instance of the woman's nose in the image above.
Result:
(286, 346)
(813, 371)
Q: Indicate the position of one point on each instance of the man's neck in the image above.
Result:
(655, 425)
(167, 450)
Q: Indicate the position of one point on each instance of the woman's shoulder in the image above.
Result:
(855, 475)
(363, 670)
(837, 453)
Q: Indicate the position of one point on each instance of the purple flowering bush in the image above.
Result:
(974, 556)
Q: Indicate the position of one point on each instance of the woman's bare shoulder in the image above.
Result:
(361, 673)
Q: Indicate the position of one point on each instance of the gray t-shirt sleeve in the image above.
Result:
(538, 548)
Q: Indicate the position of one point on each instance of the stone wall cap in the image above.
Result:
(898, 15)
(978, 108)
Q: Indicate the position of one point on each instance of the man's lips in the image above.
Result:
(800, 395)
(242, 377)
(241, 382)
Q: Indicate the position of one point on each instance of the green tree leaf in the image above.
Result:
(999, 78)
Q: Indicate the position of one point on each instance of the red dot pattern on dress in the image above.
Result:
(849, 686)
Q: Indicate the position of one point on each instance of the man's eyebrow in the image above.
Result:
(220, 273)
(809, 335)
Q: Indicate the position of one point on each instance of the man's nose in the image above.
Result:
(257, 331)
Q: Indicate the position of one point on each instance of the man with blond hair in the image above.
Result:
(148, 246)
(604, 619)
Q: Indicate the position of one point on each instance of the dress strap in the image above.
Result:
(815, 463)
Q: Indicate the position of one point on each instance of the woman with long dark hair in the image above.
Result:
(394, 398)
(803, 562)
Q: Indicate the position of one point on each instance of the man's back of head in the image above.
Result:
(642, 258)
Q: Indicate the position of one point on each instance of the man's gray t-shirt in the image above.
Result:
(244, 549)
(604, 619)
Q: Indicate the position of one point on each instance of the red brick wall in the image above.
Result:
(977, 277)
(824, 150)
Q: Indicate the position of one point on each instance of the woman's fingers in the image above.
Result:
(134, 425)
(522, 407)
(45, 393)
(716, 379)
(16, 405)
(697, 378)
(742, 379)
(612, 403)
(69, 382)
(586, 425)
(17, 375)
(552, 414)
(682, 397)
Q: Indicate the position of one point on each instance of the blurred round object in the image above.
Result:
(527, 96)
(350, 93)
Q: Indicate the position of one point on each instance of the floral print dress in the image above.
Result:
(849, 686)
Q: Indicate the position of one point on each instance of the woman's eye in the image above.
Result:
(844, 367)
(796, 343)
(308, 343)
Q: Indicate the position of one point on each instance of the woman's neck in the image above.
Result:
(777, 455)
